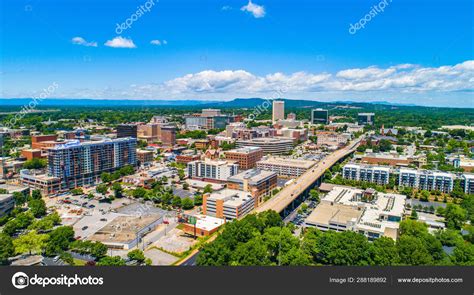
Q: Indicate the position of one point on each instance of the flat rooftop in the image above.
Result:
(253, 176)
(123, 229)
(287, 162)
(231, 197)
(326, 213)
(245, 150)
(208, 222)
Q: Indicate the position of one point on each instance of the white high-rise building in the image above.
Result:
(278, 110)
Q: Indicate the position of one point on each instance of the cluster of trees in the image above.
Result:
(194, 134)
(382, 146)
(35, 163)
(164, 196)
(124, 171)
(263, 239)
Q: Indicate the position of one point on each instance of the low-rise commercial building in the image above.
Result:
(144, 157)
(376, 174)
(246, 157)
(42, 182)
(393, 159)
(200, 225)
(259, 183)
(228, 204)
(368, 212)
(334, 139)
(7, 202)
(285, 167)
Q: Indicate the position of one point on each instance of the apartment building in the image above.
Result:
(259, 183)
(467, 183)
(246, 157)
(228, 204)
(78, 164)
(376, 174)
(427, 180)
(285, 167)
(212, 170)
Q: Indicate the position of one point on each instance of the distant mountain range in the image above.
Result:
(235, 103)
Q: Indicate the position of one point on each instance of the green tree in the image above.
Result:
(59, 240)
(101, 189)
(207, 189)
(36, 194)
(35, 163)
(118, 190)
(77, 191)
(176, 202)
(31, 242)
(314, 195)
(37, 207)
(136, 255)
(198, 200)
(463, 254)
(412, 251)
(105, 177)
(111, 261)
(384, 252)
(6, 248)
(187, 204)
(414, 215)
(455, 216)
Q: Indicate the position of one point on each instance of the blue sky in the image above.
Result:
(411, 52)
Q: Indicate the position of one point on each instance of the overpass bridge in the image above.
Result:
(292, 195)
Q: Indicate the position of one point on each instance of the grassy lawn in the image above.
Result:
(79, 262)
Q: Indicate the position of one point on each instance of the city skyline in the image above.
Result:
(158, 50)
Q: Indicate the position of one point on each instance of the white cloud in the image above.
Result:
(120, 42)
(83, 42)
(450, 85)
(226, 7)
(399, 78)
(158, 42)
(256, 10)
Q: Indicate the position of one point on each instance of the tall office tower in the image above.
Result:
(127, 130)
(79, 164)
(319, 116)
(168, 135)
(366, 118)
(278, 110)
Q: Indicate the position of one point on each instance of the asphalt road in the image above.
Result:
(291, 192)
(191, 261)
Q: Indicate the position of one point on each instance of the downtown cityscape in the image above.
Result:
(307, 137)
